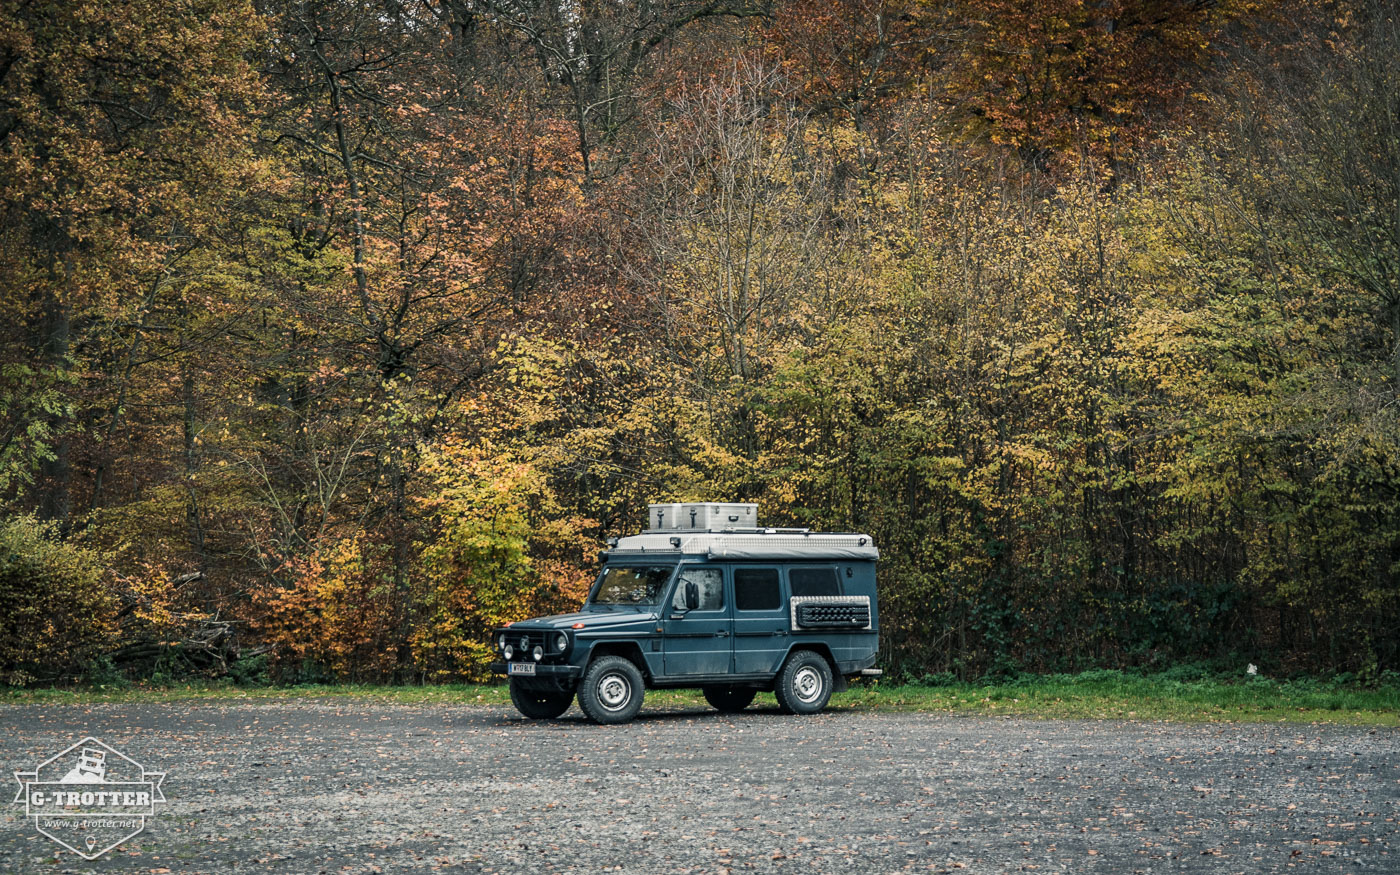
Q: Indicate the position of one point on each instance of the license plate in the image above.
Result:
(520, 668)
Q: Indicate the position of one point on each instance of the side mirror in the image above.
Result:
(692, 595)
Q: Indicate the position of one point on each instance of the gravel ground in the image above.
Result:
(347, 786)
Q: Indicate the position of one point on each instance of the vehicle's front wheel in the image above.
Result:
(729, 699)
(804, 684)
(539, 704)
(611, 691)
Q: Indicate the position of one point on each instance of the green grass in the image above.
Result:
(1118, 696)
(458, 694)
(1091, 695)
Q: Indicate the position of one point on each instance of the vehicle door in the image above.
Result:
(697, 638)
(760, 620)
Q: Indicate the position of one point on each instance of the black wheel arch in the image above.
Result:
(629, 650)
(818, 647)
(838, 680)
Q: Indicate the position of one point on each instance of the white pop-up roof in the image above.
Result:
(731, 531)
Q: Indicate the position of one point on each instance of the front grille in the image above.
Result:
(525, 640)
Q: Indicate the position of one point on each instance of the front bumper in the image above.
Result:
(550, 671)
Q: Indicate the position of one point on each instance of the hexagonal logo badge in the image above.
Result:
(89, 797)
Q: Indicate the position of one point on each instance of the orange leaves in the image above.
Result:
(336, 610)
(1068, 77)
(847, 56)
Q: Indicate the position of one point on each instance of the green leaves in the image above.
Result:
(55, 611)
(36, 408)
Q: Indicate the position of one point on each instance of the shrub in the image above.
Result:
(55, 612)
(1187, 672)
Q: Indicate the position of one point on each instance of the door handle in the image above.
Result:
(722, 634)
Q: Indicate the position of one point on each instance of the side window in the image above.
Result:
(814, 581)
(756, 589)
(711, 584)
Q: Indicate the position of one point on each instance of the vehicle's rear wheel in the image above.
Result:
(611, 691)
(729, 699)
(804, 684)
(539, 704)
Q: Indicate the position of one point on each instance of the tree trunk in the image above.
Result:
(55, 475)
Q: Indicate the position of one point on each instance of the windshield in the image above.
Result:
(637, 585)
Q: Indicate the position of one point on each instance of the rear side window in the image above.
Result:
(756, 589)
(814, 581)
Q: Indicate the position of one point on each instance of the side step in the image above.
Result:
(870, 672)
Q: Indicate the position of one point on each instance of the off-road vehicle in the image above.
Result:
(705, 598)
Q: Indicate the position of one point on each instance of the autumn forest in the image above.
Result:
(338, 332)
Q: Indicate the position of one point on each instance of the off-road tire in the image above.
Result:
(804, 684)
(539, 704)
(611, 691)
(729, 699)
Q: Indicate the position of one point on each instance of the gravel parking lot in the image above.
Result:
(346, 786)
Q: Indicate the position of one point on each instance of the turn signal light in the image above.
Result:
(578, 626)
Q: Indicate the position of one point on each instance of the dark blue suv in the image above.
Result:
(704, 598)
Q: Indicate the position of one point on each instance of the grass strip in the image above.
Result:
(1092, 695)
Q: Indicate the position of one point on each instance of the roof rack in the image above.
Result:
(753, 544)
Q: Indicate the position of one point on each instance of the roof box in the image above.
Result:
(705, 516)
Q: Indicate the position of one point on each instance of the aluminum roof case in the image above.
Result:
(703, 516)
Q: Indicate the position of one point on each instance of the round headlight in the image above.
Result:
(538, 653)
(561, 643)
(507, 651)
